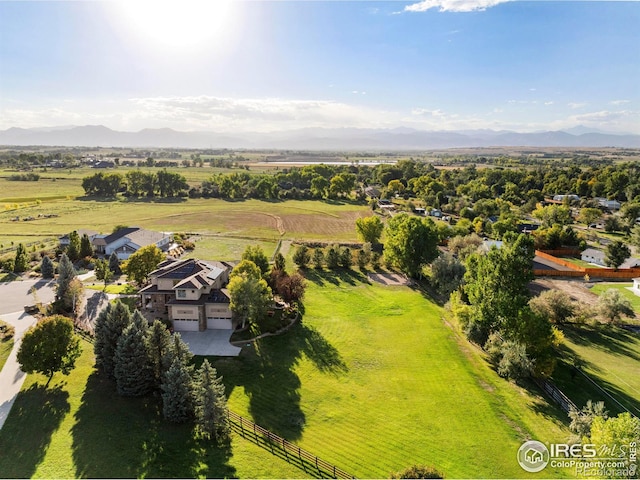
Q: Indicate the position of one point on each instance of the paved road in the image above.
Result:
(15, 295)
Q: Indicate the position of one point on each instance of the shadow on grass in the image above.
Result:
(118, 437)
(25, 436)
(335, 277)
(608, 338)
(266, 371)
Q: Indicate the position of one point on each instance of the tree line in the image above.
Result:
(136, 183)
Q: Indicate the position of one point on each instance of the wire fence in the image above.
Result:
(279, 446)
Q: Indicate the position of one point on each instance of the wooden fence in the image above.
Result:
(577, 271)
(556, 394)
(288, 450)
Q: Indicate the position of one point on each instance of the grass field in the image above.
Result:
(79, 428)
(249, 219)
(373, 381)
(221, 247)
(6, 344)
(623, 288)
(608, 354)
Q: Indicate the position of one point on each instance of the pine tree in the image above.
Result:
(318, 258)
(279, 263)
(177, 393)
(133, 369)
(346, 260)
(66, 273)
(159, 340)
(73, 250)
(333, 258)
(46, 267)
(21, 262)
(114, 264)
(177, 349)
(110, 324)
(86, 249)
(211, 405)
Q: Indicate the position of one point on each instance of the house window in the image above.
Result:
(181, 294)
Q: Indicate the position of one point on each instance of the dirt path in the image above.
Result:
(576, 289)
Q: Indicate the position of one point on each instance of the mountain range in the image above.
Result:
(401, 138)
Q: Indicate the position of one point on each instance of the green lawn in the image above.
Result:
(227, 248)
(623, 288)
(611, 356)
(373, 381)
(125, 288)
(6, 344)
(79, 428)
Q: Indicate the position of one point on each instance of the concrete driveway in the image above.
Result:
(211, 342)
(15, 295)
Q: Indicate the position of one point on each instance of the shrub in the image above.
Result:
(418, 471)
(6, 331)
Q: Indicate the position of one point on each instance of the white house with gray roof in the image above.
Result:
(127, 241)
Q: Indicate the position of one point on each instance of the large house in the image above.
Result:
(124, 242)
(191, 294)
(127, 241)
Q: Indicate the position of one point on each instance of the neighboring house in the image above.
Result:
(609, 204)
(595, 256)
(527, 227)
(420, 211)
(191, 294)
(103, 164)
(435, 212)
(636, 286)
(64, 239)
(561, 198)
(127, 241)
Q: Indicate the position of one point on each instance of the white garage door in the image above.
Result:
(185, 325)
(218, 323)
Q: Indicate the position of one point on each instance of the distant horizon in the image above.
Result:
(279, 65)
(571, 131)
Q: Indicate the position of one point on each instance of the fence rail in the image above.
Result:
(556, 394)
(291, 451)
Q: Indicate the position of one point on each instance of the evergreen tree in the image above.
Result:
(333, 258)
(21, 263)
(159, 340)
(133, 369)
(318, 258)
(279, 262)
(346, 260)
(178, 349)
(46, 267)
(109, 327)
(177, 393)
(86, 249)
(211, 405)
(66, 274)
(302, 257)
(73, 250)
(114, 264)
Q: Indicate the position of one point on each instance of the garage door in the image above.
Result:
(185, 325)
(218, 323)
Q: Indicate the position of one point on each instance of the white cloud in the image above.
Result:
(576, 105)
(619, 102)
(549, 103)
(453, 5)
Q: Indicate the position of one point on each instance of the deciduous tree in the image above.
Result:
(49, 346)
(250, 294)
(103, 272)
(411, 242)
(142, 263)
(369, 229)
(612, 306)
(257, 256)
(616, 253)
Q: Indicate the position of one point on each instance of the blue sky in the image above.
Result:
(274, 65)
